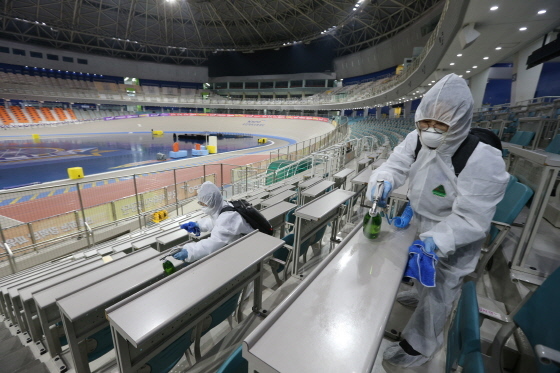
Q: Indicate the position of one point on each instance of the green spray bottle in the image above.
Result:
(373, 219)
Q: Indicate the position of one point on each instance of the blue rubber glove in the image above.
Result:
(430, 245)
(181, 255)
(191, 227)
(387, 188)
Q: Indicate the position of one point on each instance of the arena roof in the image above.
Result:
(187, 31)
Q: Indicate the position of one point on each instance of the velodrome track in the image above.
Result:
(290, 131)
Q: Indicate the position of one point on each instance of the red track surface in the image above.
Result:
(50, 206)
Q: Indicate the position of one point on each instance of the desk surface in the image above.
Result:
(538, 156)
(26, 293)
(278, 209)
(170, 237)
(109, 290)
(140, 316)
(278, 198)
(321, 206)
(48, 296)
(344, 173)
(334, 321)
(320, 187)
(362, 177)
(258, 195)
(281, 189)
(307, 183)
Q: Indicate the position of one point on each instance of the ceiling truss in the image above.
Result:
(187, 31)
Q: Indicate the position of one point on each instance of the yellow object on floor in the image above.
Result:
(262, 140)
(75, 173)
(212, 149)
(157, 133)
(35, 136)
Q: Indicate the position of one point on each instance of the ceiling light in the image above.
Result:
(474, 67)
(522, 28)
(459, 55)
(460, 76)
(543, 11)
(468, 71)
(485, 58)
(433, 81)
(452, 63)
(495, 7)
(429, 83)
(498, 48)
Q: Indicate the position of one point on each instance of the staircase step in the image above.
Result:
(4, 334)
(16, 360)
(35, 366)
(10, 345)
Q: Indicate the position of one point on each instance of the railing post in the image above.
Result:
(246, 179)
(204, 171)
(10, 257)
(222, 177)
(176, 191)
(137, 202)
(2, 233)
(83, 212)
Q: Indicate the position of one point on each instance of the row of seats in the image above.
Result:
(32, 116)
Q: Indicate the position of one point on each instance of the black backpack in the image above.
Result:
(464, 151)
(251, 215)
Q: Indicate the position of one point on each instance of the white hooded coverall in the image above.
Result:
(225, 227)
(459, 219)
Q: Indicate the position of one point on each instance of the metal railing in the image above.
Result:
(83, 213)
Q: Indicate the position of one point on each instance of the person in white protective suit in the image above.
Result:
(226, 227)
(453, 213)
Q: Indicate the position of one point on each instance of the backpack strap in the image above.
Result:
(227, 208)
(462, 154)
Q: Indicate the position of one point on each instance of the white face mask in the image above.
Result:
(431, 138)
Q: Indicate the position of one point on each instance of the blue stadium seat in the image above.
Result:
(235, 363)
(463, 337)
(554, 146)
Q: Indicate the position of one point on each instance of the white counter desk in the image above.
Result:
(83, 313)
(45, 300)
(313, 216)
(278, 198)
(334, 321)
(149, 321)
(276, 214)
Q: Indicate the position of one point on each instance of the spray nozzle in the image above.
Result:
(379, 187)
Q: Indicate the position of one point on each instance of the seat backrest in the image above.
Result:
(515, 197)
(554, 146)
(235, 363)
(170, 356)
(538, 318)
(222, 312)
(463, 337)
(512, 179)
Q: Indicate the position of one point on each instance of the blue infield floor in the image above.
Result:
(25, 161)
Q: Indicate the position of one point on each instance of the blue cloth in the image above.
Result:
(191, 227)
(181, 255)
(421, 264)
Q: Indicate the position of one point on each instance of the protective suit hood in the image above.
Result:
(449, 101)
(209, 194)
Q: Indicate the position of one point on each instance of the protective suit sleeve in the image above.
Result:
(205, 224)
(481, 186)
(227, 228)
(395, 169)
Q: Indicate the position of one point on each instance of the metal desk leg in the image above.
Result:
(121, 350)
(297, 243)
(257, 292)
(78, 349)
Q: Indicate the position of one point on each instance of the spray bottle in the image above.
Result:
(373, 219)
(168, 267)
